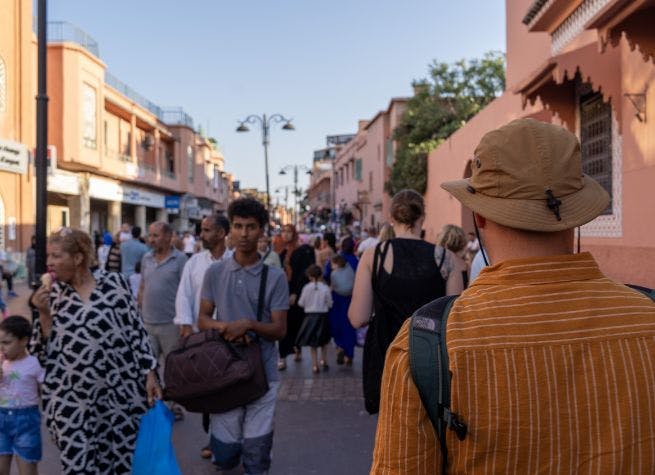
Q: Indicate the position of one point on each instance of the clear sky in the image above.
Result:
(326, 64)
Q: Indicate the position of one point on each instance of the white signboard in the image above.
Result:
(64, 183)
(112, 191)
(13, 157)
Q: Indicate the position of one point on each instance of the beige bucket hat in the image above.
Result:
(528, 175)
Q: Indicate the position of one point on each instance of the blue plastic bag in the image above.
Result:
(154, 453)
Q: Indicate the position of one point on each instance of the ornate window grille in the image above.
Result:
(596, 140)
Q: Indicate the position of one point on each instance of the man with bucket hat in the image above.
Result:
(550, 364)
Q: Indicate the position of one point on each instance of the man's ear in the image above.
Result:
(481, 221)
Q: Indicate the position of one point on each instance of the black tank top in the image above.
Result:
(414, 281)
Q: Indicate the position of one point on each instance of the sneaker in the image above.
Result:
(12, 294)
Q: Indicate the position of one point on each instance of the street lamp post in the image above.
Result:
(296, 190)
(41, 145)
(265, 123)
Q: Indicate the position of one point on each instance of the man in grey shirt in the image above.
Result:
(232, 288)
(161, 270)
(132, 251)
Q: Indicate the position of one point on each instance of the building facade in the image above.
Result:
(114, 156)
(588, 66)
(363, 166)
(17, 124)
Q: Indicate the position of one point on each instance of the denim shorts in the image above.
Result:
(20, 432)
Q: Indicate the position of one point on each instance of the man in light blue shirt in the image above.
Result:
(132, 251)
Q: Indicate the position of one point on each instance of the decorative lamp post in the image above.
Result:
(296, 190)
(265, 122)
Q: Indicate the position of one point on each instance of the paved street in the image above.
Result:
(321, 425)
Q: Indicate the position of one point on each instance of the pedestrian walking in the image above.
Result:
(188, 244)
(231, 289)
(113, 263)
(453, 238)
(8, 269)
(100, 370)
(21, 377)
(550, 362)
(316, 300)
(296, 258)
(327, 250)
(342, 280)
(269, 256)
(394, 279)
(102, 252)
(371, 240)
(161, 271)
(132, 251)
(213, 230)
(30, 262)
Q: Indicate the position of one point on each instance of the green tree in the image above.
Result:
(442, 103)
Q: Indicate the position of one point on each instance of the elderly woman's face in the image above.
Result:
(63, 264)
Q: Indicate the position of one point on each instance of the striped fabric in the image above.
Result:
(553, 371)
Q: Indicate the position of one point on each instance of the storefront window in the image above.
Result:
(89, 133)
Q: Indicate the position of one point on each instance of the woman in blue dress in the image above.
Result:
(342, 280)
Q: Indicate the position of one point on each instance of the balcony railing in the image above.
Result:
(176, 116)
(130, 93)
(60, 31)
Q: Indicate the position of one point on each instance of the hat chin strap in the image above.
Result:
(477, 234)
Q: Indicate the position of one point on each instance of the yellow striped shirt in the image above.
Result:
(553, 372)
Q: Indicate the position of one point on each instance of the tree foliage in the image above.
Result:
(442, 103)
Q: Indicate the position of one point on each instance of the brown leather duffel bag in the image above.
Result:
(208, 374)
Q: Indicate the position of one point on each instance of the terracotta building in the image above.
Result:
(115, 157)
(587, 65)
(17, 124)
(363, 166)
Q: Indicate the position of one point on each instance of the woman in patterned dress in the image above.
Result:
(99, 364)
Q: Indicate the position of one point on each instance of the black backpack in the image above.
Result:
(428, 361)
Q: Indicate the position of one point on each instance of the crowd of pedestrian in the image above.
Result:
(537, 345)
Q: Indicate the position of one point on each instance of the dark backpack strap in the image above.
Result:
(428, 360)
(262, 293)
(644, 290)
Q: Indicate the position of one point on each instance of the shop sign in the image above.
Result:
(61, 183)
(112, 191)
(172, 202)
(13, 157)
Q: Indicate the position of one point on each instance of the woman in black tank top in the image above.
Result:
(393, 280)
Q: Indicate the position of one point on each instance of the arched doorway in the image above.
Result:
(467, 215)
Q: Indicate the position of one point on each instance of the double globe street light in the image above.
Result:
(296, 190)
(265, 122)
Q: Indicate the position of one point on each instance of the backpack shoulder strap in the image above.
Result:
(262, 293)
(428, 360)
(644, 290)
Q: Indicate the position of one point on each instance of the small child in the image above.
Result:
(21, 377)
(135, 280)
(316, 300)
(342, 276)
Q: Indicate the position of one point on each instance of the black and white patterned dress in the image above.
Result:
(96, 360)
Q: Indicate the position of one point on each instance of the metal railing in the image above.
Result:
(60, 31)
(130, 93)
(176, 116)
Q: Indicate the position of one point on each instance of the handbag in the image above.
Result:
(209, 374)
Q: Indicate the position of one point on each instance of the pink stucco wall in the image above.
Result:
(624, 248)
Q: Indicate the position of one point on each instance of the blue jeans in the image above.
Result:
(20, 432)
